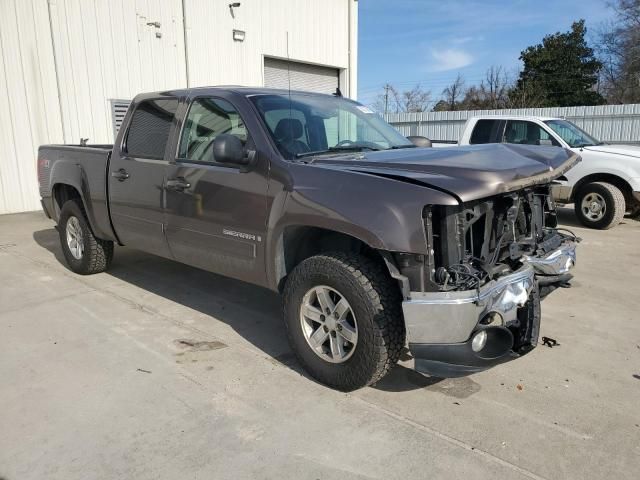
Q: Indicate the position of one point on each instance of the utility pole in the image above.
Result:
(386, 98)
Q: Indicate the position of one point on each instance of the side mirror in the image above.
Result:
(419, 141)
(229, 149)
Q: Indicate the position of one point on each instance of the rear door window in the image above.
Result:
(487, 131)
(150, 127)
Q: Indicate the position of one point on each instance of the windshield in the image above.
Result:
(573, 135)
(308, 124)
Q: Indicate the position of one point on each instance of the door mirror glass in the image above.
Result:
(229, 149)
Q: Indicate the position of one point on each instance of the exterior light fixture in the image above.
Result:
(238, 35)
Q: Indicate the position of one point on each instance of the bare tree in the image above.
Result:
(491, 94)
(415, 100)
(495, 87)
(393, 101)
(452, 95)
(619, 51)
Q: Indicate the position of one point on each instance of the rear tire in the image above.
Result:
(376, 319)
(600, 205)
(85, 254)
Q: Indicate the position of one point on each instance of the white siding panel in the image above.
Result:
(62, 62)
(108, 49)
(317, 31)
(29, 108)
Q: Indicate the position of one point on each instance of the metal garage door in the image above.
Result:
(313, 78)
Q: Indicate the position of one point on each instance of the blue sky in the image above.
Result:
(405, 42)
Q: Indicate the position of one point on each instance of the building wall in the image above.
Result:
(62, 61)
(105, 50)
(317, 32)
(29, 108)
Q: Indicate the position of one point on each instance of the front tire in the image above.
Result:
(85, 254)
(344, 320)
(600, 205)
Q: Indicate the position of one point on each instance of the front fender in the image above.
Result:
(384, 214)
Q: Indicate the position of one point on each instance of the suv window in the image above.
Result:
(208, 118)
(486, 131)
(527, 133)
(150, 126)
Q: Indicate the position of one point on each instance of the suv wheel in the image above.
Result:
(85, 254)
(600, 205)
(343, 318)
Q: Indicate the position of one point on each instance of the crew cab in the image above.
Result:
(372, 241)
(604, 186)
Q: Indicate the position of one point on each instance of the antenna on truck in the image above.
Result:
(289, 81)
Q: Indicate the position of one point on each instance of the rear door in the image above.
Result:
(137, 173)
(217, 213)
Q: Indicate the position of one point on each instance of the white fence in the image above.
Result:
(608, 123)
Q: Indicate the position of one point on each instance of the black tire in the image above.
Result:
(376, 303)
(97, 253)
(613, 200)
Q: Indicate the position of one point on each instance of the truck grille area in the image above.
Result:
(480, 241)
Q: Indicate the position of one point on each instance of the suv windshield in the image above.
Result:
(573, 135)
(307, 124)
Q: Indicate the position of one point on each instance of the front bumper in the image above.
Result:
(441, 325)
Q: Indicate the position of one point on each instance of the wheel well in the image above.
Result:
(622, 184)
(301, 242)
(63, 192)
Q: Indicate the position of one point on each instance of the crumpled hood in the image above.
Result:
(467, 173)
(626, 150)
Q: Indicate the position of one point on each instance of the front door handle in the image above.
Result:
(177, 184)
(121, 175)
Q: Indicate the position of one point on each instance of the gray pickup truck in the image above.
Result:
(372, 240)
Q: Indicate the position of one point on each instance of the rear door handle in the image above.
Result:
(121, 175)
(177, 184)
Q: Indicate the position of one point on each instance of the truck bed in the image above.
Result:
(85, 168)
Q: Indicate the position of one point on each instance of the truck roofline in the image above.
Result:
(513, 117)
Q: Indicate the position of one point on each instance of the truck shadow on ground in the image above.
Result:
(252, 312)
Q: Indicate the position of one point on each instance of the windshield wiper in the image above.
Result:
(582, 145)
(398, 147)
(345, 148)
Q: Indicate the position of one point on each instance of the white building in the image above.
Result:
(66, 64)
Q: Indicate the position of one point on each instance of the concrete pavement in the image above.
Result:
(159, 370)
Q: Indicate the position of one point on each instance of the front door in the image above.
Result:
(136, 177)
(216, 213)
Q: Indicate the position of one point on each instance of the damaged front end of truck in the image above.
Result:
(489, 264)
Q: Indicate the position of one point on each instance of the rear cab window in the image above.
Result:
(487, 131)
(150, 128)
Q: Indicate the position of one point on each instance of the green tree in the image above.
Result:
(561, 71)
